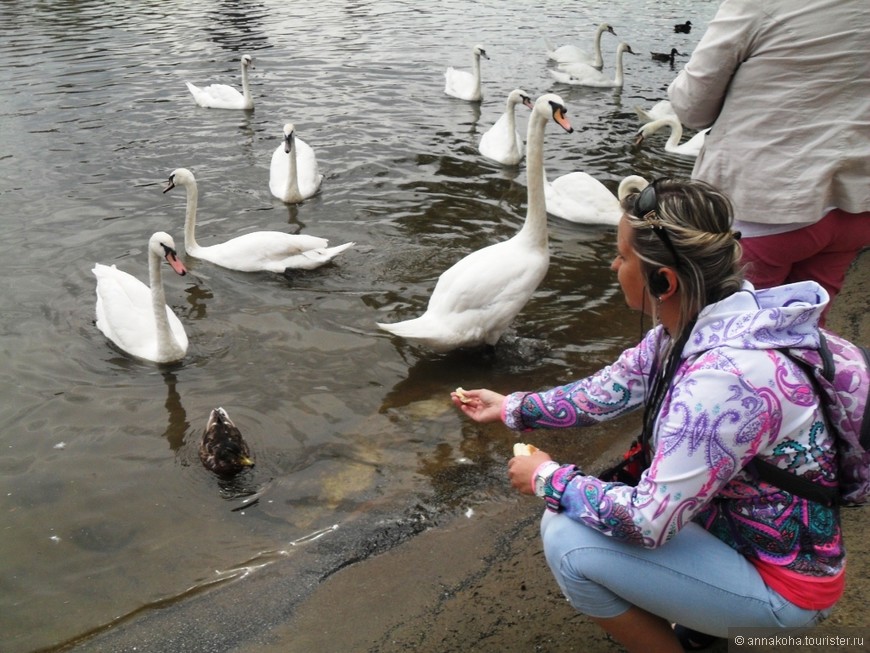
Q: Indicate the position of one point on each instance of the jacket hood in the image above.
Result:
(773, 318)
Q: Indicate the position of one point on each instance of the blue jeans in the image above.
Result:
(695, 579)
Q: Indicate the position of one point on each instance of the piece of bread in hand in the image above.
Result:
(523, 449)
(464, 398)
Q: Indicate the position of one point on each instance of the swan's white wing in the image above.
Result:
(580, 74)
(217, 96)
(460, 84)
(476, 299)
(488, 278)
(123, 305)
(278, 173)
(499, 144)
(306, 168)
(579, 197)
(692, 147)
(125, 314)
(570, 54)
(273, 251)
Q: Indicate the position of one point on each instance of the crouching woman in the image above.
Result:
(699, 541)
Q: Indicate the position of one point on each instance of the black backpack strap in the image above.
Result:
(783, 479)
(864, 434)
(794, 484)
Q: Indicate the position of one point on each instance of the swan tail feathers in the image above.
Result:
(312, 258)
(551, 51)
(332, 252)
(420, 330)
(642, 114)
(414, 329)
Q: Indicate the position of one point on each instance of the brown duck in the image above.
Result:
(223, 450)
(665, 56)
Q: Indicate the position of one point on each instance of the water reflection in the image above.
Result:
(178, 425)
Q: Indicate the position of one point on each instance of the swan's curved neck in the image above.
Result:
(158, 305)
(598, 61)
(619, 76)
(535, 226)
(475, 68)
(511, 119)
(246, 89)
(676, 133)
(190, 244)
(292, 176)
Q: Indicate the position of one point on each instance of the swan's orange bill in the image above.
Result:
(176, 264)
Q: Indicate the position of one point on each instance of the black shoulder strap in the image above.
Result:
(794, 484)
(785, 480)
(864, 435)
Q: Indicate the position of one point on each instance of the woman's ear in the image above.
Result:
(663, 283)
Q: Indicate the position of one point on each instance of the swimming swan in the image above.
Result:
(273, 251)
(579, 197)
(476, 299)
(580, 74)
(134, 316)
(463, 84)
(691, 147)
(221, 96)
(502, 142)
(575, 54)
(293, 173)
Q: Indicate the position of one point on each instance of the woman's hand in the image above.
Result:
(480, 405)
(522, 468)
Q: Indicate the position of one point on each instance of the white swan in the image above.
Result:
(476, 299)
(691, 147)
(274, 251)
(502, 142)
(221, 96)
(580, 74)
(661, 109)
(463, 84)
(293, 173)
(579, 197)
(575, 54)
(134, 316)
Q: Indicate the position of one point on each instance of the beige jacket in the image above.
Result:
(785, 85)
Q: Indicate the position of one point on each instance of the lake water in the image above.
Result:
(107, 511)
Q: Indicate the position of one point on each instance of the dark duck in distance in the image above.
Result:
(683, 28)
(223, 450)
(663, 56)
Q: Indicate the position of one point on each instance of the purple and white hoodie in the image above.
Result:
(733, 396)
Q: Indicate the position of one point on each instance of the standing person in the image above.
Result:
(699, 541)
(786, 88)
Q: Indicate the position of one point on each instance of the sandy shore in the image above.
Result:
(481, 584)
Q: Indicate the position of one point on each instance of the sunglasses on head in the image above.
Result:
(646, 207)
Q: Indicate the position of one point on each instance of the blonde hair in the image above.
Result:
(696, 220)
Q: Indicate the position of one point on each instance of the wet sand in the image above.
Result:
(481, 583)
